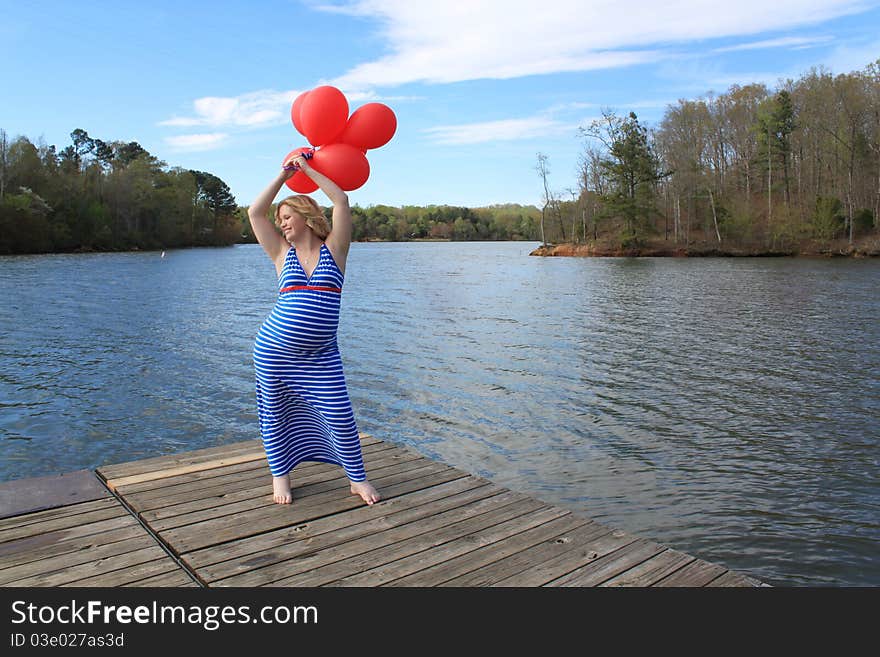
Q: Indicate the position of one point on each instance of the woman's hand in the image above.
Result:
(296, 162)
(291, 166)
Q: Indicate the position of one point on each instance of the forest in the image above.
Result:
(752, 170)
(749, 171)
(438, 222)
(94, 195)
(99, 196)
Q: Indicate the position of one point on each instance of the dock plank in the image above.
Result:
(82, 544)
(412, 538)
(311, 537)
(47, 546)
(258, 499)
(204, 482)
(38, 517)
(440, 553)
(696, 573)
(63, 522)
(130, 574)
(470, 562)
(25, 496)
(199, 458)
(207, 518)
(611, 555)
(227, 528)
(731, 578)
(95, 569)
(505, 568)
(175, 578)
(170, 485)
(652, 570)
(158, 463)
(146, 500)
(167, 473)
(69, 560)
(248, 487)
(306, 565)
(219, 474)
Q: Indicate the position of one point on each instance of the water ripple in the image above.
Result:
(728, 408)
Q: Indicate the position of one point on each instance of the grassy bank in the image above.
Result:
(658, 247)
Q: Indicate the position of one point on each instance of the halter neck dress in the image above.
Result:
(302, 399)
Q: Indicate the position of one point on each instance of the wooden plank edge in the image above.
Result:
(20, 497)
(113, 484)
(257, 455)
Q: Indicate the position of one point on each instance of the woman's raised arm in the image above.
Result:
(339, 239)
(271, 240)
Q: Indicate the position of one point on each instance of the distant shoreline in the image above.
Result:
(157, 249)
(866, 248)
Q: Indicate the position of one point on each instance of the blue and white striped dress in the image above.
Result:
(303, 403)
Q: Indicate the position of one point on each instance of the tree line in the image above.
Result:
(750, 168)
(436, 222)
(97, 195)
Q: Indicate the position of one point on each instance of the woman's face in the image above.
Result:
(292, 222)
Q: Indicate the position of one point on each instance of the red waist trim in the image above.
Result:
(320, 288)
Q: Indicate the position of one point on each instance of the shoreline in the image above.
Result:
(867, 248)
(864, 248)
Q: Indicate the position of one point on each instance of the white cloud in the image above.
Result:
(197, 142)
(444, 41)
(648, 104)
(853, 56)
(502, 130)
(782, 42)
(258, 108)
(576, 105)
(438, 41)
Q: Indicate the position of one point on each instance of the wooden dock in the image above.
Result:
(206, 518)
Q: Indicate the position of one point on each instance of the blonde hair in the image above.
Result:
(310, 210)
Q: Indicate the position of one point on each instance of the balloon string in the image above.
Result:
(309, 154)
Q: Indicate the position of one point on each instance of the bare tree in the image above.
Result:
(853, 109)
(593, 185)
(872, 90)
(543, 170)
(4, 162)
(574, 215)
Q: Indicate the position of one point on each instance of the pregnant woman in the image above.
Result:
(303, 403)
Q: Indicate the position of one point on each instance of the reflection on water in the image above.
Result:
(726, 407)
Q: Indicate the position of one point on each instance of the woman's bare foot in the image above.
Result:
(281, 490)
(365, 489)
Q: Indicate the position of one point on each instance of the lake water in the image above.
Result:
(725, 407)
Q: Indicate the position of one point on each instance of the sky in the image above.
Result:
(478, 88)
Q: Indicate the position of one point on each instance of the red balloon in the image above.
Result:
(295, 110)
(295, 151)
(370, 126)
(344, 164)
(323, 114)
(299, 182)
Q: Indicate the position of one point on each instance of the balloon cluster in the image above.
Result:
(339, 141)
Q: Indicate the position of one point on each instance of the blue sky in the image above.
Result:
(478, 87)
